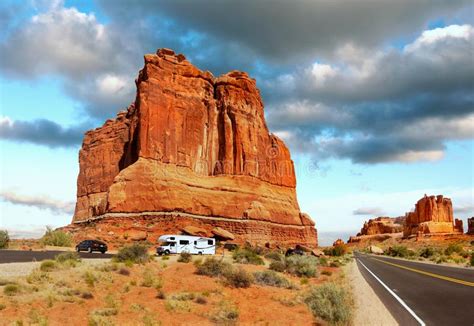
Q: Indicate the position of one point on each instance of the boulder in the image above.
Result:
(375, 250)
(137, 235)
(195, 231)
(317, 253)
(222, 234)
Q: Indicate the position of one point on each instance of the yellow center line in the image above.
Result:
(446, 278)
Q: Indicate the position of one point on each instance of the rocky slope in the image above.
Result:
(191, 150)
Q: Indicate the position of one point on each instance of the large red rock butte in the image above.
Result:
(192, 150)
(470, 225)
(432, 215)
(380, 228)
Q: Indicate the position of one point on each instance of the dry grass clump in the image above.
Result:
(48, 266)
(238, 278)
(11, 289)
(331, 303)
(134, 254)
(56, 238)
(185, 257)
(225, 314)
(297, 265)
(212, 267)
(247, 256)
(272, 278)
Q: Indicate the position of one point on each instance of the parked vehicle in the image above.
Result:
(176, 244)
(92, 245)
(296, 251)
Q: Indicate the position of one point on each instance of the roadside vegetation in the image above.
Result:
(4, 239)
(56, 238)
(133, 254)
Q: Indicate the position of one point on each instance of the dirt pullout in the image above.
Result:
(368, 310)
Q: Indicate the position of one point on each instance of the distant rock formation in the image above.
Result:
(432, 215)
(380, 228)
(192, 150)
(338, 242)
(470, 225)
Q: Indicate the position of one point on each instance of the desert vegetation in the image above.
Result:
(4, 239)
(56, 238)
(216, 289)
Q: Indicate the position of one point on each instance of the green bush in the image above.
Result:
(136, 254)
(68, 256)
(427, 252)
(330, 303)
(278, 266)
(48, 265)
(56, 238)
(398, 251)
(11, 289)
(271, 278)
(336, 251)
(472, 259)
(275, 256)
(212, 267)
(453, 248)
(238, 278)
(302, 265)
(4, 239)
(185, 257)
(247, 256)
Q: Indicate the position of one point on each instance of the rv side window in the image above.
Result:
(195, 243)
(210, 242)
(171, 238)
(183, 242)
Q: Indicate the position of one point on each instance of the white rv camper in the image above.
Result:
(176, 244)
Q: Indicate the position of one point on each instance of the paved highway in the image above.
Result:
(421, 294)
(16, 256)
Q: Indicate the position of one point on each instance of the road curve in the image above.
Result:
(427, 294)
(18, 256)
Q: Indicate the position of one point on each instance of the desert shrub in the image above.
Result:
(161, 295)
(177, 305)
(304, 281)
(185, 257)
(398, 251)
(136, 254)
(302, 265)
(212, 267)
(68, 258)
(278, 266)
(247, 256)
(183, 296)
(56, 238)
(336, 251)
(472, 259)
(148, 278)
(2, 306)
(4, 239)
(323, 261)
(48, 265)
(124, 271)
(275, 256)
(11, 289)
(327, 273)
(37, 276)
(225, 314)
(166, 257)
(453, 248)
(89, 278)
(86, 295)
(200, 300)
(427, 252)
(238, 278)
(105, 312)
(271, 278)
(330, 303)
(335, 263)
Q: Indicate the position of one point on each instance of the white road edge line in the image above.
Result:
(418, 319)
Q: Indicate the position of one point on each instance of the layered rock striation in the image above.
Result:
(192, 150)
(432, 215)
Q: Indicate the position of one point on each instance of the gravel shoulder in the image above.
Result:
(12, 270)
(368, 310)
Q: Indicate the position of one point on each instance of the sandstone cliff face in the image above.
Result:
(432, 215)
(470, 225)
(197, 145)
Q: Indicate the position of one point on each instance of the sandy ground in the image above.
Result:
(23, 269)
(369, 310)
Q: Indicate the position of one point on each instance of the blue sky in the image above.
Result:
(375, 100)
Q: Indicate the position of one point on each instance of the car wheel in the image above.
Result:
(102, 251)
(167, 252)
(89, 250)
(200, 253)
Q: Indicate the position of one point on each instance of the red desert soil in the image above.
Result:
(257, 305)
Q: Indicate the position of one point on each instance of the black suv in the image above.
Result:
(92, 245)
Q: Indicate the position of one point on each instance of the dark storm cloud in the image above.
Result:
(331, 84)
(41, 132)
(293, 30)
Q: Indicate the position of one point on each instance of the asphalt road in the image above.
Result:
(17, 256)
(436, 295)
